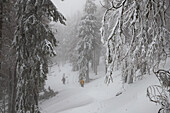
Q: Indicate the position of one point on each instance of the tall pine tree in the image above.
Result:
(33, 42)
(88, 34)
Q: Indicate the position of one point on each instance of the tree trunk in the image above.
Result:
(144, 68)
(95, 69)
(130, 76)
(14, 90)
(1, 16)
(126, 72)
(105, 66)
(10, 90)
(4, 103)
(95, 63)
(92, 63)
(87, 73)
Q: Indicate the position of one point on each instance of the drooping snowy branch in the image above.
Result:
(136, 24)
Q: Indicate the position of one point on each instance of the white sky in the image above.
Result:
(69, 7)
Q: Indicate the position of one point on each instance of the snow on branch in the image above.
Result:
(138, 24)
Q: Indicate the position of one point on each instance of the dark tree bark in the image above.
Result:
(7, 29)
(130, 76)
(87, 73)
(126, 72)
(1, 10)
(9, 90)
(14, 92)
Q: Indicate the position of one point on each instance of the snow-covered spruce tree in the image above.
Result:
(33, 42)
(134, 35)
(88, 34)
(73, 54)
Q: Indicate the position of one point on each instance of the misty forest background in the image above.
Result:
(131, 35)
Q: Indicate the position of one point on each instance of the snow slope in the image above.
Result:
(96, 96)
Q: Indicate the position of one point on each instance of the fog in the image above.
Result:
(69, 7)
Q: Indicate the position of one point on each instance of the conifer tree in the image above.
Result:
(88, 34)
(33, 42)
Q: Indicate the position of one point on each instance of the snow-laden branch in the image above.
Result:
(131, 44)
(137, 24)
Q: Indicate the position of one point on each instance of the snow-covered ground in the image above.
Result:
(96, 96)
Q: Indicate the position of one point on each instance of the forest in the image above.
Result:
(109, 56)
